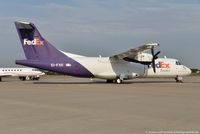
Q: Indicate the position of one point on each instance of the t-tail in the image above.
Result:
(34, 45)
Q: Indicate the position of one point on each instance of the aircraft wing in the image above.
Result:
(133, 53)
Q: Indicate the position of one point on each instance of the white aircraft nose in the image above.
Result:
(189, 71)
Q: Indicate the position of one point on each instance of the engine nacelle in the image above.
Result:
(144, 57)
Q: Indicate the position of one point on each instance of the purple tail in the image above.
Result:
(41, 54)
(34, 45)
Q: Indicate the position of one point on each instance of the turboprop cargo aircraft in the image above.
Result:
(41, 54)
(22, 73)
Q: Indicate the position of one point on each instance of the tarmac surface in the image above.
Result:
(67, 105)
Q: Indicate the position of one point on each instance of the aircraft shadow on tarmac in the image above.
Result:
(69, 83)
(102, 82)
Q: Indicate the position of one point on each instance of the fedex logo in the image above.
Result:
(162, 64)
(35, 42)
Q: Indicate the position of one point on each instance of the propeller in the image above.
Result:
(155, 56)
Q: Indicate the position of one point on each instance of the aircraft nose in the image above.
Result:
(189, 71)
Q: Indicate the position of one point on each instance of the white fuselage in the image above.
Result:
(103, 67)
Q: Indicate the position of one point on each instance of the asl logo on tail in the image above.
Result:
(35, 42)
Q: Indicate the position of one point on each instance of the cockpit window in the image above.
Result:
(178, 63)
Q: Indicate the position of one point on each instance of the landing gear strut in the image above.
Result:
(179, 79)
(0, 79)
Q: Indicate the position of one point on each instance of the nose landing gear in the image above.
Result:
(179, 79)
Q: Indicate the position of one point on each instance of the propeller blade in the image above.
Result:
(152, 51)
(154, 66)
(153, 60)
(156, 55)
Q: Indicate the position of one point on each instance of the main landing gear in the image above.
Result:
(118, 81)
(179, 79)
(24, 78)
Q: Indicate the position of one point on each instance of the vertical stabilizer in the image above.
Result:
(34, 45)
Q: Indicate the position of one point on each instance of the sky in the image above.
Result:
(105, 27)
